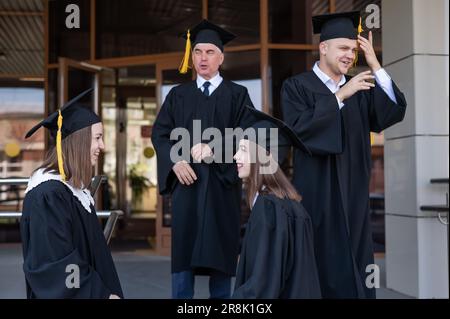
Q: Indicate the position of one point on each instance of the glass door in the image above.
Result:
(74, 77)
(129, 108)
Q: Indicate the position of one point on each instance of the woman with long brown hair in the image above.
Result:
(277, 256)
(65, 252)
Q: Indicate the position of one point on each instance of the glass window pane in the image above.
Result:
(64, 41)
(129, 110)
(52, 94)
(80, 80)
(138, 27)
(241, 65)
(238, 17)
(21, 108)
(290, 20)
(284, 64)
(109, 115)
(244, 69)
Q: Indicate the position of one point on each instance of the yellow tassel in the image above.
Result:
(59, 147)
(184, 66)
(360, 29)
(372, 139)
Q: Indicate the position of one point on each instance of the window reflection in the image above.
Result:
(73, 43)
(238, 17)
(290, 20)
(20, 110)
(138, 27)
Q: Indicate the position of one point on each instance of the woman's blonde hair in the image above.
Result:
(76, 156)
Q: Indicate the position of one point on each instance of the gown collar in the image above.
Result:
(257, 194)
(315, 84)
(215, 80)
(83, 195)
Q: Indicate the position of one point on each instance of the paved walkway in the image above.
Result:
(142, 274)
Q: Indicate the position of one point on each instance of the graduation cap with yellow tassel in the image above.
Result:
(71, 117)
(338, 25)
(204, 32)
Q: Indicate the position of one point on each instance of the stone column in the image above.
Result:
(415, 54)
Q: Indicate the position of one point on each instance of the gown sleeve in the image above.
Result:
(266, 248)
(162, 128)
(317, 121)
(50, 256)
(383, 112)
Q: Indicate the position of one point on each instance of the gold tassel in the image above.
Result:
(360, 29)
(184, 66)
(59, 147)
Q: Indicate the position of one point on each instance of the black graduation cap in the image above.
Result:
(207, 32)
(75, 117)
(204, 32)
(338, 25)
(286, 136)
(70, 118)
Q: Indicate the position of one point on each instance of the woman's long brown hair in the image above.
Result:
(77, 158)
(276, 183)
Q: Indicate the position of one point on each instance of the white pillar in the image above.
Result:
(415, 53)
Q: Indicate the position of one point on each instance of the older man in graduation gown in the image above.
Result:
(334, 115)
(205, 194)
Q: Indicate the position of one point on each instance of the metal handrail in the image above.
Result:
(96, 182)
(441, 211)
(100, 213)
(442, 220)
(14, 181)
(439, 180)
(8, 214)
(111, 224)
(112, 215)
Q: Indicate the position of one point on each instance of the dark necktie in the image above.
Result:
(206, 86)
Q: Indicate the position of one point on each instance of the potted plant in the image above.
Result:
(138, 182)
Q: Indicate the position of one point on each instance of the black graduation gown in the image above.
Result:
(205, 215)
(56, 232)
(334, 182)
(277, 258)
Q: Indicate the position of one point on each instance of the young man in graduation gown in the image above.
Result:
(64, 250)
(334, 115)
(205, 194)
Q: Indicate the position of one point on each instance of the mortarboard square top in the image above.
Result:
(286, 136)
(207, 32)
(75, 117)
(337, 25)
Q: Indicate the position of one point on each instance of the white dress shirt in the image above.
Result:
(381, 77)
(215, 82)
(254, 200)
